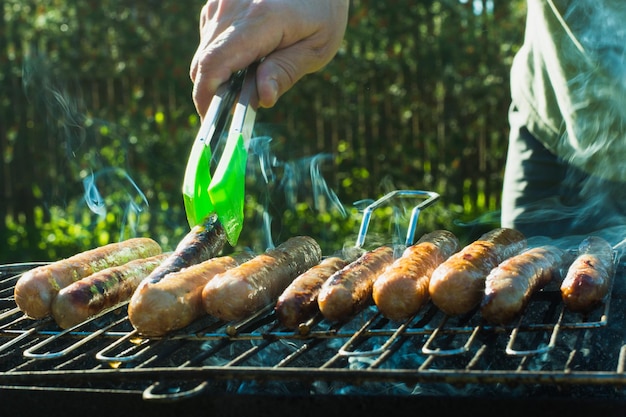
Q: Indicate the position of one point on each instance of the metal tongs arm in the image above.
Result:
(222, 192)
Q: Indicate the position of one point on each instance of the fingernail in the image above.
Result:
(272, 92)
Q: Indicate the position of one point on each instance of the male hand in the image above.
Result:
(291, 37)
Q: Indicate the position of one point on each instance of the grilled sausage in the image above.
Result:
(588, 277)
(242, 290)
(36, 289)
(458, 284)
(402, 289)
(172, 303)
(93, 294)
(348, 290)
(509, 286)
(298, 302)
(203, 242)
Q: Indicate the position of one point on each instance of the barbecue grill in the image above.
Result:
(550, 357)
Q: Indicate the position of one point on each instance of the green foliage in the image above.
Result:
(96, 122)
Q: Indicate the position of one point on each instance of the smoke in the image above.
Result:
(284, 185)
(114, 187)
(595, 117)
(589, 197)
(56, 100)
(95, 151)
(299, 180)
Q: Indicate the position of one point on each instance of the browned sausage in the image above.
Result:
(240, 291)
(509, 286)
(348, 290)
(172, 303)
(458, 284)
(203, 242)
(588, 278)
(402, 289)
(298, 302)
(107, 288)
(36, 289)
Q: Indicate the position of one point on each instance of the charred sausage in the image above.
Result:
(107, 288)
(298, 302)
(402, 289)
(458, 284)
(240, 291)
(348, 290)
(509, 286)
(36, 289)
(172, 303)
(203, 242)
(588, 278)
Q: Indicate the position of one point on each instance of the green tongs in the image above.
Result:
(222, 193)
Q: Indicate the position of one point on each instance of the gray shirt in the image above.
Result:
(568, 82)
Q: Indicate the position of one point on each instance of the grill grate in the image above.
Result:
(549, 345)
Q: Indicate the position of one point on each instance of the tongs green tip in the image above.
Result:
(227, 190)
(223, 193)
(196, 184)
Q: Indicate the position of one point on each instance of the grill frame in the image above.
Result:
(347, 370)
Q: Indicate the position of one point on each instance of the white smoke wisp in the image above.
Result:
(286, 186)
(109, 190)
(114, 188)
(595, 118)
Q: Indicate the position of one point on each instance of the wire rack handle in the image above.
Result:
(410, 235)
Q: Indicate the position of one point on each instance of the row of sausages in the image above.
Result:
(166, 291)
(74, 289)
(169, 291)
(497, 272)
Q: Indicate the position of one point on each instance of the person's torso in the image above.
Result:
(569, 81)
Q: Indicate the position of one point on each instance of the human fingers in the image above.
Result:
(282, 69)
(293, 38)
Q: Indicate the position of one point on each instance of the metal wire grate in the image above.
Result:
(548, 345)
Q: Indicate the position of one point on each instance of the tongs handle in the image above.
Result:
(227, 188)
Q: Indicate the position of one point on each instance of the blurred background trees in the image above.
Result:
(96, 123)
